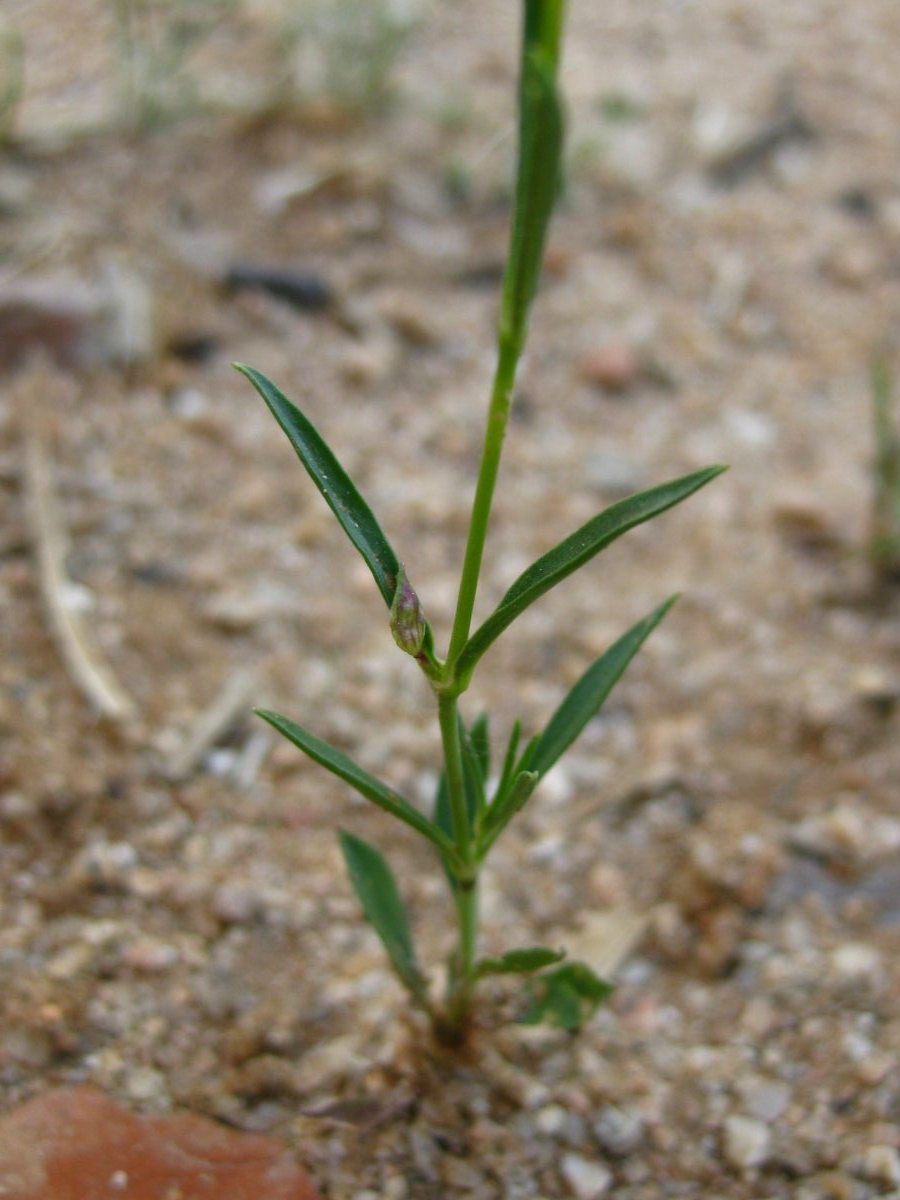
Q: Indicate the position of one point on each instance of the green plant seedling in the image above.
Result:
(884, 546)
(472, 809)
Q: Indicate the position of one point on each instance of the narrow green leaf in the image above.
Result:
(509, 760)
(537, 182)
(367, 785)
(375, 885)
(442, 816)
(524, 763)
(504, 808)
(884, 547)
(443, 819)
(587, 696)
(480, 737)
(338, 489)
(567, 997)
(473, 776)
(519, 962)
(573, 552)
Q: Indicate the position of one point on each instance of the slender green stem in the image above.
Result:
(495, 431)
(465, 881)
(467, 904)
(539, 142)
(456, 789)
(460, 999)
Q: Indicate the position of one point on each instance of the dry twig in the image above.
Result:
(92, 676)
(211, 725)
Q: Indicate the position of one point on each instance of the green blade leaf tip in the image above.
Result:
(375, 885)
(504, 808)
(336, 486)
(509, 760)
(573, 552)
(367, 785)
(588, 695)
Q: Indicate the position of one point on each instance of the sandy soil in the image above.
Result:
(193, 941)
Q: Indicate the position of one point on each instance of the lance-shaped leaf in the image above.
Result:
(473, 775)
(573, 552)
(519, 962)
(375, 885)
(367, 785)
(537, 182)
(509, 760)
(338, 489)
(567, 997)
(480, 738)
(504, 808)
(587, 696)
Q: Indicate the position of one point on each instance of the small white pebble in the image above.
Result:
(587, 1180)
(144, 1083)
(746, 1142)
(856, 1045)
(535, 1094)
(551, 1120)
(881, 1164)
(118, 1181)
(618, 1130)
(189, 403)
(237, 903)
(854, 959)
(873, 1068)
(765, 1099)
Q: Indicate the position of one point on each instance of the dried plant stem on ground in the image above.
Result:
(89, 672)
(212, 723)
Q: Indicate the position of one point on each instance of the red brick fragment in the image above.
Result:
(76, 1143)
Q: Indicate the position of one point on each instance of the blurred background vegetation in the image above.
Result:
(151, 62)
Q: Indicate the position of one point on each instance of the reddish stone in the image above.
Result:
(614, 367)
(77, 1144)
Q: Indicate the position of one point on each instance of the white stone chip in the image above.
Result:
(854, 959)
(764, 1099)
(881, 1164)
(587, 1180)
(746, 1142)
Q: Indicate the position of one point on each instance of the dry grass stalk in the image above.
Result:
(211, 724)
(89, 672)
